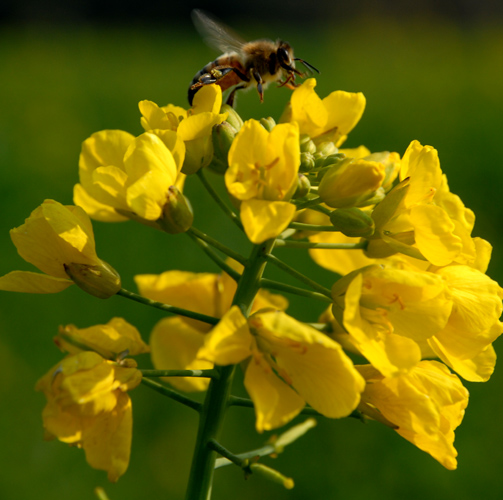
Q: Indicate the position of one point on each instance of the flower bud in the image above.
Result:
(177, 214)
(268, 123)
(101, 281)
(233, 117)
(351, 183)
(303, 188)
(222, 135)
(272, 475)
(306, 162)
(352, 222)
(306, 144)
(198, 154)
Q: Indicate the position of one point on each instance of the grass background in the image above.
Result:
(431, 80)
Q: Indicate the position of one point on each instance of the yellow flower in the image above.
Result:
(420, 217)
(193, 127)
(87, 406)
(116, 339)
(426, 404)
(328, 119)
(390, 311)
(262, 174)
(175, 341)
(288, 364)
(123, 177)
(465, 342)
(59, 241)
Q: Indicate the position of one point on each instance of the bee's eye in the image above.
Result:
(283, 56)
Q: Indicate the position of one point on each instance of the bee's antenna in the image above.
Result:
(306, 64)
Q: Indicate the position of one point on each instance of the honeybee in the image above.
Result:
(242, 63)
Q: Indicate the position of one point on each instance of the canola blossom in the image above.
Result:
(411, 312)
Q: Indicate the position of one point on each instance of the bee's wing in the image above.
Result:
(216, 34)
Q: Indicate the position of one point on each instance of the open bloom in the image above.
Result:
(420, 217)
(287, 363)
(123, 177)
(262, 174)
(390, 311)
(328, 119)
(426, 404)
(176, 340)
(193, 126)
(88, 406)
(59, 241)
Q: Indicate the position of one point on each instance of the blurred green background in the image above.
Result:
(426, 76)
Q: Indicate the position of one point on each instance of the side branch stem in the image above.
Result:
(176, 396)
(181, 373)
(283, 287)
(167, 308)
(216, 244)
(326, 246)
(296, 274)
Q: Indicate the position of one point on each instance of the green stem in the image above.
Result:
(309, 203)
(218, 200)
(326, 246)
(176, 396)
(311, 227)
(216, 401)
(224, 452)
(167, 308)
(214, 257)
(283, 287)
(181, 373)
(216, 244)
(296, 274)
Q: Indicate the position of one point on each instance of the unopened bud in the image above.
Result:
(272, 475)
(177, 214)
(303, 188)
(306, 162)
(222, 135)
(101, 280)
(233, 117)
(268, 123)
(326, 148)
(306, 144)
(352, 222)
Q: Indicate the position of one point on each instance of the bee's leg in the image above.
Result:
(260, 89)
(230, 99)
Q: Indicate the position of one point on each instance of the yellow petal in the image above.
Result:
(314, 365)
(95, 209)
(274, 401)
(28, 282)
(264, 219)
(174, 345)
(308, 109)
(107, 439)
(344, 110)
(153, 117)
(208, 100)
(229, 342)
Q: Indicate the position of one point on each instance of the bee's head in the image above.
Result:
(285, 56)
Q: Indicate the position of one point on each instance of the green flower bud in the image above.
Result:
(306, 144)
(352, 222)
(222, 135)
(303, 188)
(101, 281)
(326, 148)
(177, 214)
(306, 162)
(268, 123)
(272, 475)
(233, 117)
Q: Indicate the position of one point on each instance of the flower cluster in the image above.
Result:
(412, 303)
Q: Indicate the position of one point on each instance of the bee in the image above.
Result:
(242, 63)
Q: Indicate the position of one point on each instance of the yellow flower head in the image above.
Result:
(123, 177)
(465, 342)
(426, 404)
(420, 217)
(193, 126)
(87, 406)
(175, 341)
(328, 119)
(390, 311)
(288, 364)
(116, 339)
(59, 241)
(262, 174)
